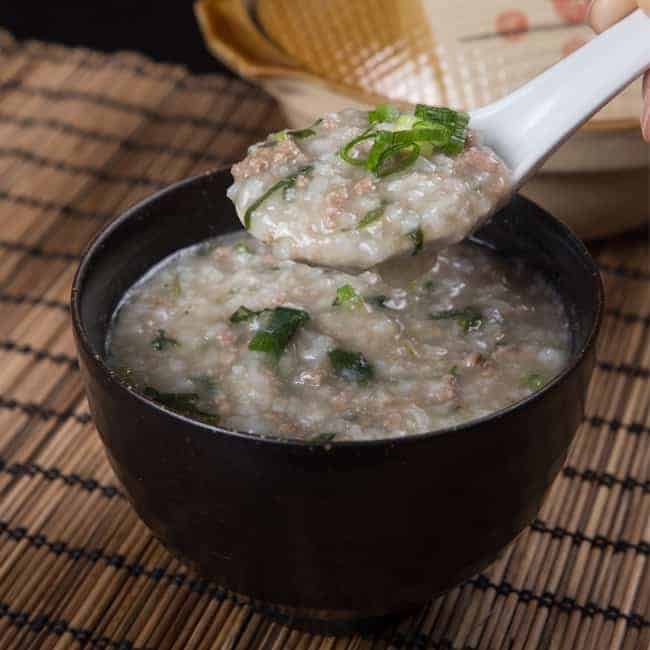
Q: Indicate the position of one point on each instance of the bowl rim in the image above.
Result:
(97, 242)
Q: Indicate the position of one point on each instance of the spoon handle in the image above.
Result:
(528, 125)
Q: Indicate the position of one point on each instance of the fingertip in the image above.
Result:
(645, 123)
(602, 14)
(588, 11)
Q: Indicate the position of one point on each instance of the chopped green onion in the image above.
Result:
(184, 403)
(437, 114)
(383, 113)
(244, 314)
(347, 295)
(383, 140)
(430, 128)
(456, 121)
(279, 136)
(299, 134)
(453, 371)
(400, 161)
(323, 438)
(417, 236)
(469, 319)
(534, 381)
(405, 121)
(437, 134)
(283, 183)
(162, 342)
(458, 136)
(274, 337)
(345, 151)
(371, 217)
(391, 144)
(351, 366)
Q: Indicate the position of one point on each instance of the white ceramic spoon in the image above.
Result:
(527, 126)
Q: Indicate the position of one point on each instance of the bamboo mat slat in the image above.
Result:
(82, 136)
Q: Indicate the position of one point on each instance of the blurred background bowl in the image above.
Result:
(315, 57)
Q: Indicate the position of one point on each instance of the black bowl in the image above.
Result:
(358, 529)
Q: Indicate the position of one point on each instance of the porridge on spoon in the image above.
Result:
(357, 188)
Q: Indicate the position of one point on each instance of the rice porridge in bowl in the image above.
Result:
(227, 334)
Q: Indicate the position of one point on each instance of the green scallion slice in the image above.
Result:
(417, 237)
(184, 403)
(468, 318)
(274, 337)
(437, 134)
(283, 183)
(383, 140)
(383, 113)
(351, 366)
(347, 294)
(301, 134)
(371, 217)
(347, 149)
(456, 121)
(405, 121)
(244, 314)
(437, 114)
(458, 136)
(397, 158)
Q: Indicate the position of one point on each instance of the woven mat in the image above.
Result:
(82, 136)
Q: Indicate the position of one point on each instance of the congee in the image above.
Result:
(226, 333)
(357, 188)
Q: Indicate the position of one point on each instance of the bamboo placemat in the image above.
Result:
(83, 135)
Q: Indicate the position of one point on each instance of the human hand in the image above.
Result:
(602, 14)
